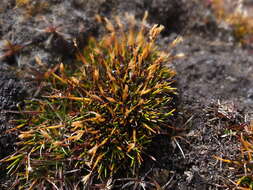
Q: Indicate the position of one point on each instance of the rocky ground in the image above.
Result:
(214, 78)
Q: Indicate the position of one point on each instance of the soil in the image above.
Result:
(215, 74)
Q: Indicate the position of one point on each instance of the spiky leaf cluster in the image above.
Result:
(243, 164)
(96, 117)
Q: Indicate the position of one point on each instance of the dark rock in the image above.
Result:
(12, 93)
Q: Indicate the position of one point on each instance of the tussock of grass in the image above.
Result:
(32, 7)
(241, 22)
(96, 117)
(244, 161)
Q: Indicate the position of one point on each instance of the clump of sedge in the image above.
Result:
(95, 118)
(244, 162)
(32, 7)
(240, 20)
